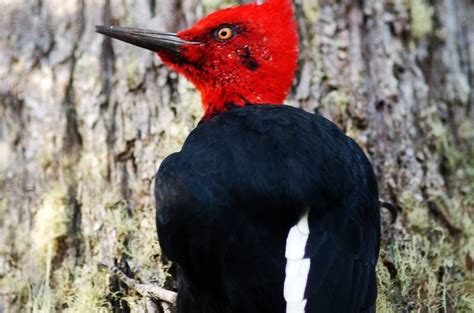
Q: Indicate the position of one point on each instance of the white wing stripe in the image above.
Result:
(295, 280)
(297, 267)
(296, 307)
(295, 244)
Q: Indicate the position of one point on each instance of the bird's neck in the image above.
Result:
(219, 100)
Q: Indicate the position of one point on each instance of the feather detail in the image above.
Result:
(297, 266)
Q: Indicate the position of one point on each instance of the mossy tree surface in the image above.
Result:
(85, 123)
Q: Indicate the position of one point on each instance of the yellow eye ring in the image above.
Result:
(225, 33)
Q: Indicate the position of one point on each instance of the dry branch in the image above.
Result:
(146, 290)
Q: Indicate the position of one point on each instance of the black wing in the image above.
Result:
(226, 202)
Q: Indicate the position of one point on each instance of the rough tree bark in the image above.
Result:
(85, 122)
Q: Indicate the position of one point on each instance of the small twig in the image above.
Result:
(151, 305)
(137, 271)
(146, 290)
(167, 307)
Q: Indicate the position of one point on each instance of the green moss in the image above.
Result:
(421, 14)
(416, 212)
(133, 72)
(143, 246)
(214, 5)
(338, 101)
(89, 290)
(50, 224)
(312, 11)
(312, 15)
(15, 284)
(428, 276)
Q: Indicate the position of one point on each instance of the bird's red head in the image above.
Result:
(242, 55)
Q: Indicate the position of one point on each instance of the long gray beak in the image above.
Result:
(148, 39)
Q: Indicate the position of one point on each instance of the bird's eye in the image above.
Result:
(224, 33)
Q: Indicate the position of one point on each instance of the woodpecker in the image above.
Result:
(267, 208)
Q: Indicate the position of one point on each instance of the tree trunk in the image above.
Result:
(85, 123)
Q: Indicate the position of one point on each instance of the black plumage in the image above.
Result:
(243, 178)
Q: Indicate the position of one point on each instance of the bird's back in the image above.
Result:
(244, 178)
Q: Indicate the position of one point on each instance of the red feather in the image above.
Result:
(256, 66)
